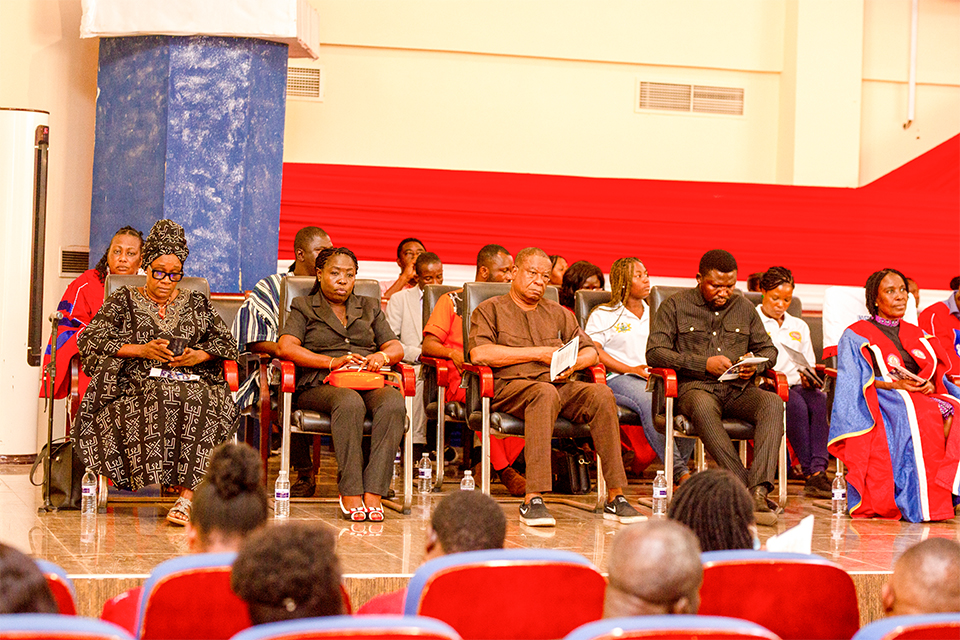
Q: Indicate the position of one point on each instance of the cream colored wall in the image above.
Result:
(44, 65)
(885, 144)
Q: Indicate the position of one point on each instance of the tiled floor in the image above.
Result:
(133, 538)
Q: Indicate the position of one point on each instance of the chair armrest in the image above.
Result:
(409, 378)
(486, 378)
(288, 374)
(599, 373)
(825, 371)
(669, 377)
(778, 381)
(231, 374)
(442, 366)
(952, 378)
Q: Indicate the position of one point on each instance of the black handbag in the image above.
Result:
(571, 471)
(66, 474)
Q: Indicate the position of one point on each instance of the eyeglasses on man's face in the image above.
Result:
(160, 275)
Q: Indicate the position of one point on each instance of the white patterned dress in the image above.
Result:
(139, 430)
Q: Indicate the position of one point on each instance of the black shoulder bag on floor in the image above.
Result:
(571, 470)
(66, 473)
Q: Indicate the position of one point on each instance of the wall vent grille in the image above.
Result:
(74, 261)
(304, 83)
(687, 98)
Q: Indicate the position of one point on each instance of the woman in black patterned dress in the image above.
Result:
(140, 429)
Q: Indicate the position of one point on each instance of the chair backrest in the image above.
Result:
(61, 586)
(842, 306)
(794, 595)
(166, 612)
(45, 626)
(476, 292)
(296, 286)
(934, 626)
(431, 294)
(672, 627)
(586, 301)
(348, 627)
(227, 305)
(658, 295)
(508, 594)
(114, 282)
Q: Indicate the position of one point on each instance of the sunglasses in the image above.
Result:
(160, 275)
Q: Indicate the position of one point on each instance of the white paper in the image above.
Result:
(564, 358)
(172, 374)
(795, 540)
(734, 372)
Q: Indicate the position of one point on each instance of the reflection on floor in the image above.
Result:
(131, 538)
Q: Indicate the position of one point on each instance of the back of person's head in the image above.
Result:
(231, 501)
(23, 587)
(289, 571)
(872, 287)
(424, 260)
(574, 278)
(717, 508)
(718, 260)
(466, 521)
(926, 579)
(654, 569)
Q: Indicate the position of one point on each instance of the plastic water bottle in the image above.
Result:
(397, 472)
(88, 489)
(424, 474)
(839, 495)
(88, 532)
(281, 497)
(660, 494)
(468, 484)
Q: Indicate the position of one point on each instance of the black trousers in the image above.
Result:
(763, 409)
(347, 409)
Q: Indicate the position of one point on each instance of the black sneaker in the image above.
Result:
(303, 487)
(535, 514)
(620, 510)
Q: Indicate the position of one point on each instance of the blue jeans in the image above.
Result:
(631, 392)
(807, 428)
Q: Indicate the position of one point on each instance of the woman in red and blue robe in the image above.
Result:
(891, 431)
(80, 304)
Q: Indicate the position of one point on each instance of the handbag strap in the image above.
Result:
(44, 452)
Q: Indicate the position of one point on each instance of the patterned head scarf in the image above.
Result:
(166, 238)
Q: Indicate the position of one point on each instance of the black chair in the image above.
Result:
(435, 372)
(673, 425)
(584, 302)
(315, 423)
(480, 392)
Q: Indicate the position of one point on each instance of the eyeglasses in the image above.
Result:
(160, 275)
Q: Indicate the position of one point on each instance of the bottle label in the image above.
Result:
(426, 474)
(840, 494)
(89, 491)
(659, 492)
(282, 494)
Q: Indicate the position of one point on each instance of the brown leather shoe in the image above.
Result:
(762, 511)
(515, 483)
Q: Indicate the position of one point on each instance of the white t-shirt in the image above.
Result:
(620, 333)
(794, 333)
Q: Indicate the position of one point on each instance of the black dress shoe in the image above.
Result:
(818, 485)
(762, 511)
(303, 487)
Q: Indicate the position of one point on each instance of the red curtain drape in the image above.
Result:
(909, 219)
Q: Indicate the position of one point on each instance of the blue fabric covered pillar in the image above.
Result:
(191, 129)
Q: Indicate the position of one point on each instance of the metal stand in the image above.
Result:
(51, 372)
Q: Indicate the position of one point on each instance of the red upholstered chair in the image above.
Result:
(315, 423)
(794, 595)
(677, 627)
(190, 598)
(350, 628)
(935, 626)
(508, 594)
(61, 586)
(42, 626)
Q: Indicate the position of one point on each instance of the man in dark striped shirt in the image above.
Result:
(702, 332)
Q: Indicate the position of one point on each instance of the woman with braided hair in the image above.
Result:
(719, 510)
(153, 416)
(82, 300)
(806, 409)
(619, 330)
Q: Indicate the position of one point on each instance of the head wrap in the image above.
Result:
(166, 238)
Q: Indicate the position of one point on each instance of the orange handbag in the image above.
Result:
(362, 380)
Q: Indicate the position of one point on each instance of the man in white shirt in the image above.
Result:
(405, 315)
